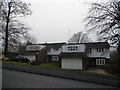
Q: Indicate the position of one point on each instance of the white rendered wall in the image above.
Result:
(71, 63)
(94, 53)
(54, 52)
(34, 47)
(81, 48)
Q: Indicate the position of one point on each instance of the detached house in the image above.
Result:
(53, 51)
(84, 55)
(71, 56)
(97, 53)
(31, 51)
(46, 52)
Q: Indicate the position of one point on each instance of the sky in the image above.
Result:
(56, 20)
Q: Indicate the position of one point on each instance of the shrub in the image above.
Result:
(112, 68)
(115, 68)
(5, 59)
(34, 63)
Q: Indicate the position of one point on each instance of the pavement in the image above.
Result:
(86, 77)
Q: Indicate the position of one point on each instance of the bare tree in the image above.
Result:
(79, 37)
(30, 40)
(12, 30)
(105, 19)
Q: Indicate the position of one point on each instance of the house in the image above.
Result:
(53, 51)
(44, 52)
(71, 56)
(30, 51)
(84, 55)
(97, 53)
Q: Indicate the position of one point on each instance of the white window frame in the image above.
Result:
(100, 61)
(56, 48)
(89, 50)
(72, 48)
(100, 49)
(49, 50)
(55, 58)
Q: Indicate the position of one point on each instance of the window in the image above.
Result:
(73, 48)
(56, 48)
(89, 50)
(54, 58)
(100, 50)
(100, 61)
(48, 50)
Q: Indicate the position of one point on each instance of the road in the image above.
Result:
(0, 74)
(16, 79)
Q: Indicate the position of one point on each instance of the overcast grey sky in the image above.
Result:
(51, 20)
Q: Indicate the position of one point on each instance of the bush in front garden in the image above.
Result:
(34, 63)
(112, 68)
(4, 59)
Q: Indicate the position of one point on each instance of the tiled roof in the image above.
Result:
(93, 44)
(76, 54)
(98, 44)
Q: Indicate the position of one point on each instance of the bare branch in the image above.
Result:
(105, 19)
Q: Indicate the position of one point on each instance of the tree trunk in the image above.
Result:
(6, 39)
(6, 31)
(119, 47)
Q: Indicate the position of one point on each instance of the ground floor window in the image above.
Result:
(100, 61)
(54, 58)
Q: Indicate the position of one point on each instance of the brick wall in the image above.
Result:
(41, 57)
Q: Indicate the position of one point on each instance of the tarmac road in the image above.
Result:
(16, 79)
(0, 74)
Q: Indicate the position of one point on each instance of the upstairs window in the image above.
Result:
(89, 50)
(56, 48)
(72, 48)
(100, 49)
(48, 50)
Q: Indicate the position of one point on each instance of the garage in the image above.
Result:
(73, 63)
(72, 56)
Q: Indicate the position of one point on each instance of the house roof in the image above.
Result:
(93, 44)
(98, 44)
(90, 44)
(54, 44)
(60, 43)
(71, 54)
(30, 52)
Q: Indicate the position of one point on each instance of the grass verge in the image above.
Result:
(43, 65)
(52, 66)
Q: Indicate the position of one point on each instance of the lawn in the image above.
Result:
(52, 66)
(42, 65)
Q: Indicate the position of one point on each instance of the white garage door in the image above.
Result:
(72, 64)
